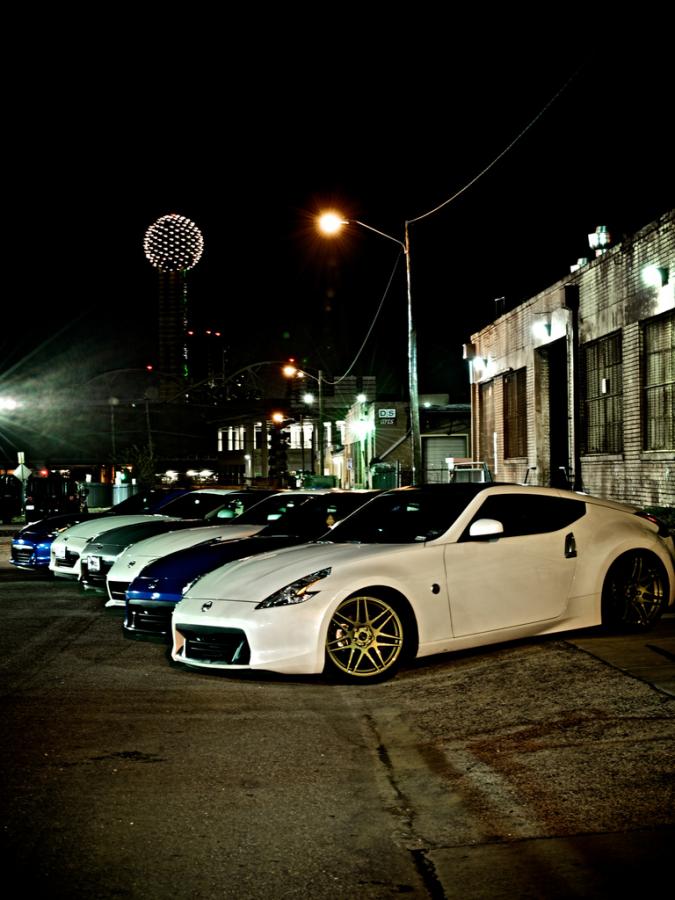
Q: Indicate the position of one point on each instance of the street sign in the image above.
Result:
(22, 472)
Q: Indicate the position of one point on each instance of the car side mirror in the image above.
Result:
(484, 528)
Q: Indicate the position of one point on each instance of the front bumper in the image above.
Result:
(286, 639)
(94, 570)
(66, 565)
(148, 617)
(30, 554)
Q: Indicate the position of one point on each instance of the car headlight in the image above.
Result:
(297, 592)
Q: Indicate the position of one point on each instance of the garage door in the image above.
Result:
(436, 450)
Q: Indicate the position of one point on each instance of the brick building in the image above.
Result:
(577, 384)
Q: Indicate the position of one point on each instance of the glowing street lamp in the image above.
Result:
(330, 223)
(290, 370)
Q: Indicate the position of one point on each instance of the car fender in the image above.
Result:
(418, 577)
(600, 547)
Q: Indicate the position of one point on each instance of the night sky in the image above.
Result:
(251, 137)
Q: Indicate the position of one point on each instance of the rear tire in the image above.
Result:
(635, 592)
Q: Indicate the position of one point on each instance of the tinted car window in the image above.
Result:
(272, 509)
(236, 504)
(404, 517)
(193, 506)
(529, 514)
(316, 515)
(141, 502)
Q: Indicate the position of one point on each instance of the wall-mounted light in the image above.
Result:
(600, 240)
(655, 276)
(542, 326)
(580, 263)
(361, 428)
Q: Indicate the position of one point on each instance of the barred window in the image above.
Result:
(602, 396)
(659, 383)
(515, 414)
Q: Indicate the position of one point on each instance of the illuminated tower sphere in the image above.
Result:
(173, 245)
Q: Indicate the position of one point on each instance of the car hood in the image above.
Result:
(171, 573)
(251, 580)
(115, 540)
(163, 544)
(56, 523)
(87, 530)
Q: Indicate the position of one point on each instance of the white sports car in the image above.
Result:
(66, 551)
(418, 571)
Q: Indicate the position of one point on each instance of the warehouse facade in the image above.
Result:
(577, 384)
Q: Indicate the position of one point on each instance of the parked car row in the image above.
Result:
(356, 583)
(31, 547)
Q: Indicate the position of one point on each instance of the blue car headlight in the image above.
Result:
(296, 592)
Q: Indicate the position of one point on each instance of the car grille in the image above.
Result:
(68, 561)
(96, 577)
(149, 620)
(22, 554)
(118, 589)
(218, 645)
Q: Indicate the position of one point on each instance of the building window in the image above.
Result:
(487, 424)
(602, 396)
(659, 383)
(515, 414)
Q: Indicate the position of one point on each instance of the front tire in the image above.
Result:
(635, 592)
(366, 638)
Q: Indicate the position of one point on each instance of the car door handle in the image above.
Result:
(570, 546)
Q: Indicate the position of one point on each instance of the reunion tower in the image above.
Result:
(173, 245)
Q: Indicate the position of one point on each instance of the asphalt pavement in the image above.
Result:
(538, 768)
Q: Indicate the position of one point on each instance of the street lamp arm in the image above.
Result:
(382, 234)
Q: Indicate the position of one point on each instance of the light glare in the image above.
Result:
(331, 223)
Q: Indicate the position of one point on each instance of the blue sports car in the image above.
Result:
(152, 595)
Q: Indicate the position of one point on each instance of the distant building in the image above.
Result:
(244, 442)
(577, 384)
(378, 450)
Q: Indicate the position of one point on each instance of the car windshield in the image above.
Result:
(141, 502)
(316, 515)
(406, 516)
(272, 509)
(193, 506)
(236, 504)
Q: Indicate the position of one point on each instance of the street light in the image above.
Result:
(331, 223)
(290, 370)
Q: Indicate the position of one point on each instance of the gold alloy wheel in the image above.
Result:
(636, 595)
(365, 637)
